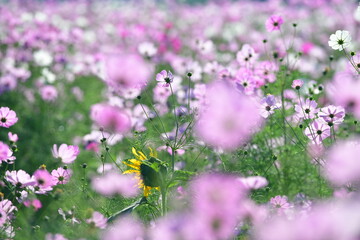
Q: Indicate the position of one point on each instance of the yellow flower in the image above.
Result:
(139, 169)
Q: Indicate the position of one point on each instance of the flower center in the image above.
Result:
(268, 108)
(319, 132)
(167, 80)
(3, 120)
(340, 42)
(307, 110)
(331, 115)
(41, 181)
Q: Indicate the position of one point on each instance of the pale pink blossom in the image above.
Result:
(98, 220)
(13, 137)
(7, 117)
(19, 178)
(67, 153)
(61, 175)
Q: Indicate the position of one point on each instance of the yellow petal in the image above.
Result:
(131, 171)
(131, 165)
(135, 162)
(139, 155)
(153, 153)
(147, 190)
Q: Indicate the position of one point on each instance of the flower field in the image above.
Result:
(165, 120)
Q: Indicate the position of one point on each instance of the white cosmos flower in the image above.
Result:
(43, 58)
(340, 40)
(147, 49)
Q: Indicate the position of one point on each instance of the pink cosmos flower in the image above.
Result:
(7, 83)
(317, 131)
(67, 153)
(114, 183)
(6, 155)
(36, 203)
(13, 137)
(265, 70)
(19, 178)
(56, 236)
(229, 118)
(297, 84)
(127, 227)
(307, 110)
(344, 91)
(334, 220)
(126, 71)
(7, 206)
(246, 81)
(97, 220)
(61, 175)
(246, 56)
(111, 118)
(3, 217)
(274, 23)
(217, 205)
(268, 105)
(7, 117)
(164, 78)
(161, 94)
(280, 204)
(43, 179)
(48, 93)
(254, 182)
(332, 115)
(342, 162)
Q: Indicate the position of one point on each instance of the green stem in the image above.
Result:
(163, 201)
(172, 159)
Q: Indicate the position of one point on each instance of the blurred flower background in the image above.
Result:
(193, 120)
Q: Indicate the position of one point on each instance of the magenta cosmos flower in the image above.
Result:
(7, 117)
(43, 179)
(6, 155)
(228, 119)
(111, 118)
(274, 23)
(67, 153)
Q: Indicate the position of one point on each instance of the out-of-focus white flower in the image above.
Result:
(357, 14)
(43, 58)
(147, 49)
(340, 40)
